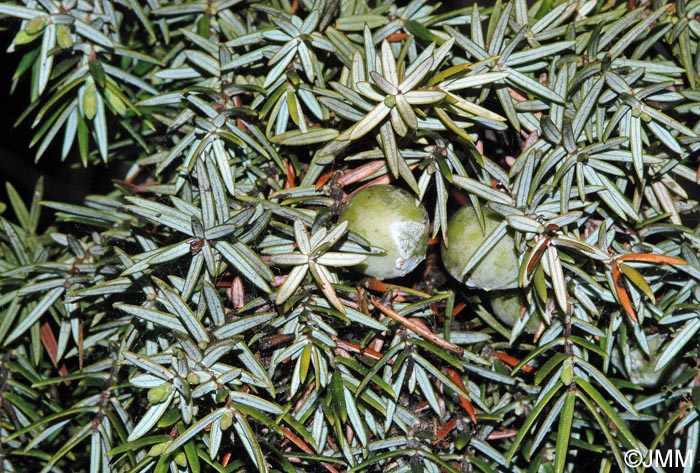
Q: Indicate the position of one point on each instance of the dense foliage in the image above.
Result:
(204, 315)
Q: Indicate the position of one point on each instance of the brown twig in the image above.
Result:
(418, 328)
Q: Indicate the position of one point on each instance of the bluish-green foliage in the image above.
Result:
(204, 315)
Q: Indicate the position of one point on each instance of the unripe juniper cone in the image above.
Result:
(498, 269)
(389, 218)
(642, 368)
(507, 307)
